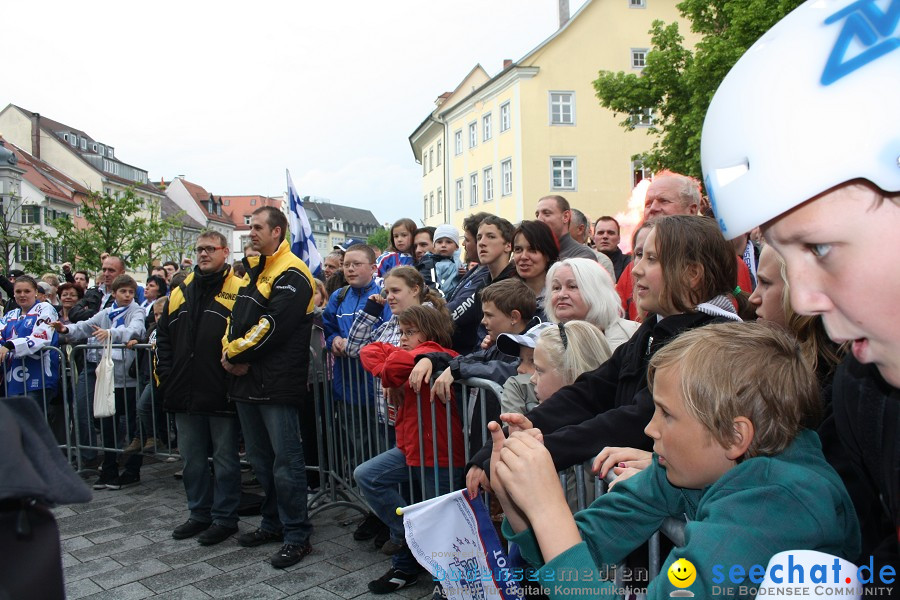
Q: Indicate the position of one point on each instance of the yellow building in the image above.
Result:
(499, 144)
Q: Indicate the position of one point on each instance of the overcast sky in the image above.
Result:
(230, 94)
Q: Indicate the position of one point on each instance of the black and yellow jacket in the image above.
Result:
(189, 344)
(270, 329)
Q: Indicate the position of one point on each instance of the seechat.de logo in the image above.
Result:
(682, 574)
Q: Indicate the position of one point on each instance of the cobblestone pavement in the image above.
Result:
(120, 546)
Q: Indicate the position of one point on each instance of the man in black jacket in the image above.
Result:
(267, 351)
(194, 386)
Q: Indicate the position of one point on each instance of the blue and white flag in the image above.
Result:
(453, 538)
(302, 243)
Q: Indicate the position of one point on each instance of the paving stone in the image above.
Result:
(75, 543)
(90, 568)
(180, 577)
(77, 519)
(130, 573)
(359, 559)
(228, 583)
(243, 557)
(128, 529)
(198, 553)
(69, 561)
(306, 577)
(154, 550)
(187, 592)
(132, 591)
(81, 588)
(133, 516)
(87, 526)
(259, 591)
(98, 503)
(110, 548)
(355, 583)
(314, 594)
(62, 512)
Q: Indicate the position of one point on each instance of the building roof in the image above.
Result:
(41, 176)
(51, 126)
(168, 208)
(240, 206)
(201, 197)
(347, 214)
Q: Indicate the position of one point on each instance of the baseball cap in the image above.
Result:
(510, 344)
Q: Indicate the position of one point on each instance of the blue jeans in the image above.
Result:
(275, 450)
(379, 478)
(84, 409)
(125, 408)
(154, 422)
(210, 500)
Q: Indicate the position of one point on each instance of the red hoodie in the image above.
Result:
(394, 365)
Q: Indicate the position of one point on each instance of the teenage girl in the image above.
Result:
(685, 279)
(400, 252)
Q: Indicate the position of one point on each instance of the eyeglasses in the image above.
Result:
(563, 336)
(355, 265)
(207, 249)
(408, 333)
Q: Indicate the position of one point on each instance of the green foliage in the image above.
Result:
(121, 225)
(381, 238)
(678, 83)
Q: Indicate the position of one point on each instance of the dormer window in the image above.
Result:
(83, 144)
(109, 151)
(94, 147)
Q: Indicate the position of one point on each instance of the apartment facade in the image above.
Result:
(537, 128)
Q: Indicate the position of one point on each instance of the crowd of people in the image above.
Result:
(766, 436)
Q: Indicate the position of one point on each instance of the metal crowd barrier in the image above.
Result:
(353, 405)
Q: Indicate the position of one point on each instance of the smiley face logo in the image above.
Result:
(682, 573)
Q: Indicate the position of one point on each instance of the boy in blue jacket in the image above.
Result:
(730, 455)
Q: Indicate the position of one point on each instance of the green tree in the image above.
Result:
(678, 83)
(381, 238)
(122, 225)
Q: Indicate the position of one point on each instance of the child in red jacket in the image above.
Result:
(422, 329)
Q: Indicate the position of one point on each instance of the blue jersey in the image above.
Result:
(27, 368)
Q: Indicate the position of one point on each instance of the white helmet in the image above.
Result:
(815, 102)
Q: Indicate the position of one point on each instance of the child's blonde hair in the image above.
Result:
(752, 370)
(584, 348)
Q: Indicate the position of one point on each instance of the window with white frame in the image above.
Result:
(73, 139)
(425, 206)
(28, 252)
(487, 129)
(109, 152)
(424, 163)
(83, 144)
(460, 201)
(430, 159)
(488, 183)
(562, 108)
(94, 147)
(246, 219)
(431, 204)
(473, 189)
(562, 173)
(457, 141)
(506, 177)
(639, 172)
(639, 58)
(473, 134)
(642, 117)
(637, 3)
(440, 197)
(31, 215)
(504, 117)
(440, 153)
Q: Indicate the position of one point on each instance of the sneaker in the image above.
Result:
(216, 534)
(391, 547)
(290, 554)
(189, 528)
(392, 581)
(258, 538)
(125, 479)
(178, 474)
(253, 482)
(133, 447)
(105, 479)
(368, 528)
(150, 446)
(382, 537)
(174, 455)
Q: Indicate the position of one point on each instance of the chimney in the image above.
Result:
(563, 12)
(507, 63)
(36, 135)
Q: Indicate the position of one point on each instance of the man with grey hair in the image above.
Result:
(672, 194)
(555, 212)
